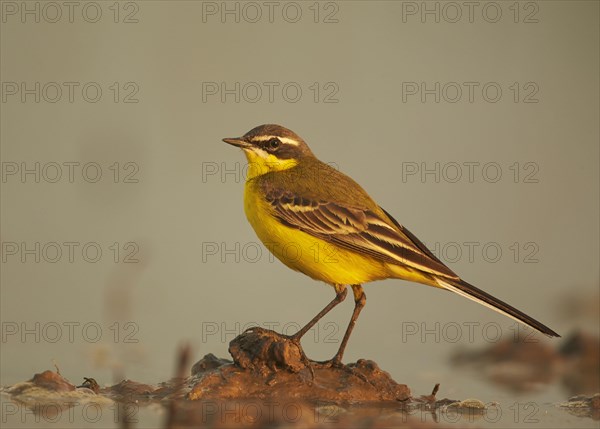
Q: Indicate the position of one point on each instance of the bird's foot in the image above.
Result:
(294, 339)
(334, 363)
(337, 364)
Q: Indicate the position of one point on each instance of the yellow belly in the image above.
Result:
(312, 256)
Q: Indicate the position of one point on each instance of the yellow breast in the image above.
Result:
(302, 252)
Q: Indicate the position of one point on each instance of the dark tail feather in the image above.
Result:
(463, 288)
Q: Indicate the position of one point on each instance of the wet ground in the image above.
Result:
(270, 383)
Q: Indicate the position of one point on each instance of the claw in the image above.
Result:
(296, 341)
(336, 363)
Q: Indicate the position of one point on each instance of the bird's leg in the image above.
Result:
(360, 299)
(340, 295)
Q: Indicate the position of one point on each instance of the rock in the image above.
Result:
(583, 406)
(48, 381)
(264, 350)
(209, 361)
(51, 380)
(469, 404)
(269, 365)
(49, 389)
(128, 389)
(91, 384)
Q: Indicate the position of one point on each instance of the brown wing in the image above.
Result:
(358, 229)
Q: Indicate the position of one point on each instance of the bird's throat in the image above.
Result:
(261, 162)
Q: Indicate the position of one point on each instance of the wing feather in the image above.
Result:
(357, 229)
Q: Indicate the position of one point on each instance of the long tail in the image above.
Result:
(469, 291)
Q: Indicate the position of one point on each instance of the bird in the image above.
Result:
(320, 222)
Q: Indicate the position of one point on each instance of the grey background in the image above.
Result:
(175, 293)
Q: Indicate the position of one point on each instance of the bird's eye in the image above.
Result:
(273, 143)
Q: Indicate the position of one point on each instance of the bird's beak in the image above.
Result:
(238, 141)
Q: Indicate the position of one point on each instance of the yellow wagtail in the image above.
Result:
(320, 222)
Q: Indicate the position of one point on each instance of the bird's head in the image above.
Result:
(271, 148)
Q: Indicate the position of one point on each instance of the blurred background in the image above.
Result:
(122, 225)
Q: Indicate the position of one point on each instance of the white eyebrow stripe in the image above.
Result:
(285, 140)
